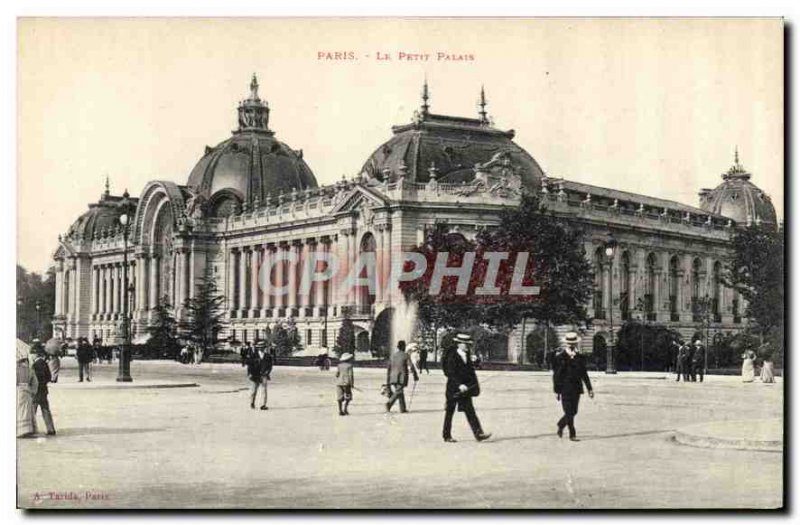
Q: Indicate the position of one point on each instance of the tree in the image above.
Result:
(645, 346)
(755, 270)
(292, 335)
(162, 342)
(33, 289)
(204, 314)
(346, 339)
(557, 264)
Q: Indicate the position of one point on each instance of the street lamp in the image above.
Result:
(124, 354)
(610, 247)
(38, 309)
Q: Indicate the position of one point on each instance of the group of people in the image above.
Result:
(767, 374)
(690, 361)
(190, 353)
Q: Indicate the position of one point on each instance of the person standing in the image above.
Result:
(462, 386)
(767, 366)
(698, 361)
(397, 376)
(259, 368)
(344, 383)
(423, 360)
(27, 385)
(748, 366)
(84, 356)
(413, 354)
(245, 352)
(685, 358)
(42, 372)
(678, 355)
(569, 377)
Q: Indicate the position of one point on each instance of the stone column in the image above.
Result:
(306, 297)
(379, 262)
(114, 289)
(320, 288)
(387, 264)
(153, 282)
(232, 270)
(255, 264)
(243, 259)
(142, 282)
(291, 267)
(280, 275)
(57, 307)
(265, 278)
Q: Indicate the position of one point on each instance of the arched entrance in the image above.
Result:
(382, 334)
(362, 341)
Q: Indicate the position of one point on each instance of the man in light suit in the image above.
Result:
(397, 376)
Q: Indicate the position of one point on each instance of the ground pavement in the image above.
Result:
(203, 447)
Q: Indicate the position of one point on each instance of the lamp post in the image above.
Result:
(124, 375)
(38, 310)
(610, 247)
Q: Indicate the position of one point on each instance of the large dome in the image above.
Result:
(451, 145)
(739, 199)
(252, 164)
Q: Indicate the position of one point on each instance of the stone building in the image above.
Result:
(252, 202)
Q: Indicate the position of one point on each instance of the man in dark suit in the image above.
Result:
(84, 355)
(397, 376)
(462, 386)
(43, 377)
(698, 361)
(569, 375)
(259, 368)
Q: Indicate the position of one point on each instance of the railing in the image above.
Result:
(358, 310)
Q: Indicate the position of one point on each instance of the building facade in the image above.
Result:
(252, 202)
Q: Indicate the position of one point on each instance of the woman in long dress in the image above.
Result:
(26, 387)
(748, 368)
(767, 366)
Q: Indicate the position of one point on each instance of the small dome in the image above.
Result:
(102, 217)
(252, 164)
(739, 199)
(454, 146)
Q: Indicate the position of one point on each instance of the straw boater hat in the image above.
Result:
(572, 338)
(463, 338)
(347, 356)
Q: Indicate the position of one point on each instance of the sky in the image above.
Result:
(643, 105)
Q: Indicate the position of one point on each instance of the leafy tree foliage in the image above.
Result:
(557, 265)
(33, 289)
(755, 269)
(204, 314)
(652, 342)
(346, 339)
(163, 341)
(286, 338)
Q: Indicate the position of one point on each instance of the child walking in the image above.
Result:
(344, 383)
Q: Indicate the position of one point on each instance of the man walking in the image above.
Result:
(423, 360)
(84, 356)
(259, 368)
(698, 361)
(568, 378)
(462, 386)
(397, 376)
(43, 377)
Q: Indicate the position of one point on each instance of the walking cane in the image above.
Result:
(413, 389)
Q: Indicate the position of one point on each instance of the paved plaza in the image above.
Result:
(203, 447)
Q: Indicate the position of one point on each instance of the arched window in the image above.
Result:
(625, 286)
(365, 293)
(599, 284)
(650, 287)
(164, 254)
(674, 265)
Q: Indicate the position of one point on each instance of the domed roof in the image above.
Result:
(252, 163)
(739, 199)
(101, 218)
(451, 145)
